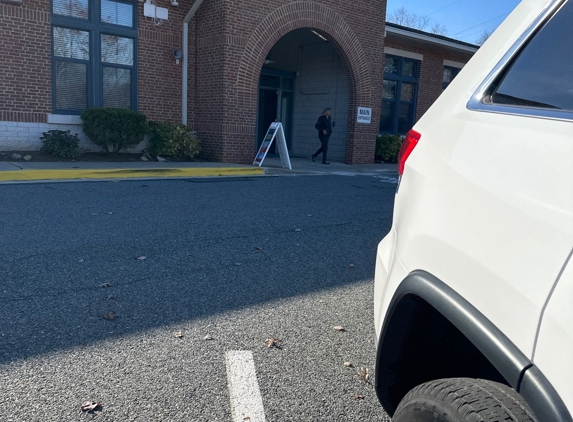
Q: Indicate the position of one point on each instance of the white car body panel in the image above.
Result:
(554, 351)
(486, 206)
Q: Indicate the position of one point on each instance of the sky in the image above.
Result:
(464, 20)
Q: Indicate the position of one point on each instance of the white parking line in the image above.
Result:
(246, 400)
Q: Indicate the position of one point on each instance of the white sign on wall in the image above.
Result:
(277, 132)
(364, 115)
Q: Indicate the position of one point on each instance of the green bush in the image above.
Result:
(60, 143)
(173, 140)
(114, 129)
(388, 147)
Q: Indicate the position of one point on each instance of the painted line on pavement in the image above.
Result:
(246, 400)
(23, 175)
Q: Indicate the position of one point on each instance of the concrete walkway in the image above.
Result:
(20, 171)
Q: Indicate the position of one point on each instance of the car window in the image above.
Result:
(541, 75)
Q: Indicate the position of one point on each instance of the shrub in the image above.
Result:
(173, 140)
(60, 143)
(388, 147)
(114, 129)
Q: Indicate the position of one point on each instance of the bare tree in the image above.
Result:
(402, 17)
(484, 36)
(439, 29)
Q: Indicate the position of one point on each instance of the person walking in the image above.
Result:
(324, 127)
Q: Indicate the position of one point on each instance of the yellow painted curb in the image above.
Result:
(23, 175)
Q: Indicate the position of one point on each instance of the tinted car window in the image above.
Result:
(541, 75)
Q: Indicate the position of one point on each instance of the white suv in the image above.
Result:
(474, 282)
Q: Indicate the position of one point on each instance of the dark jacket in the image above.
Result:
(324, 123)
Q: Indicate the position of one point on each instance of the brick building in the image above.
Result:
(227, 68)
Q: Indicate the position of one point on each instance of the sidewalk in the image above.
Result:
(18, 171)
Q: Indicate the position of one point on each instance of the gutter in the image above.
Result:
(185, 72)
(429, 39)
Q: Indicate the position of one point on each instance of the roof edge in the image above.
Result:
(417, 34)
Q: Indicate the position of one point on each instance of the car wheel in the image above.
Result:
(462, 400)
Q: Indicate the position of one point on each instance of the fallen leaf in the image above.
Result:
(208, 337)
(90, 405)
(348, 364)
(339, 328)
(141, 258)
(350, 266)
(105, 285)
(364, 373)
(109, 316)
(358, 397)
(273, 342)
(178, 334)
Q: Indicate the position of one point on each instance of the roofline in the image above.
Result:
(393, 28)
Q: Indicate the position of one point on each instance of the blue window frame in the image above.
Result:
(399, 94)
(94, 50)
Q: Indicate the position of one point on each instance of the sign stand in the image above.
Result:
(275, 131)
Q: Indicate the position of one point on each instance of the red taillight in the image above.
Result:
(408, 145)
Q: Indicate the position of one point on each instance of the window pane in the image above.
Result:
(389, 90)
(448, 75)
(407, 92)
(270, 81)
(387, 117)
(409, 68)
(391, 65)
(71, 43)
(73, 8)
(288, 83)
(71, 86)
(405, 122)
(117, 13)
(116, 87)
(541, 75)
(117, 50)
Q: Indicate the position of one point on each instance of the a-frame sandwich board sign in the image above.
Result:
(277, 132)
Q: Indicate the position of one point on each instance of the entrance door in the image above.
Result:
(276, 95)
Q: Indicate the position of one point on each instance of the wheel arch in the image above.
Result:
(407, 353)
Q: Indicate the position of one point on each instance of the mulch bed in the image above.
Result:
(122, 157)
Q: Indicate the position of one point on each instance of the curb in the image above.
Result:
(122, 173)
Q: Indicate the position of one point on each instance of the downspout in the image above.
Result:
(184, 85)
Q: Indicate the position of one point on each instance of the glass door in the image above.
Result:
(276, 98)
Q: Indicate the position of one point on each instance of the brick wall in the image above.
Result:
(25, 85)
(228, 41)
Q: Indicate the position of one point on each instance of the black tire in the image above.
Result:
(463, 400)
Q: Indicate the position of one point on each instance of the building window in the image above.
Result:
(94, 46)
(449, 74)
(400, 89)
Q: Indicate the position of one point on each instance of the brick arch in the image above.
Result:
(303, 14)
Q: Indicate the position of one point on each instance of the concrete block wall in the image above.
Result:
(321, 82)
(24, 136)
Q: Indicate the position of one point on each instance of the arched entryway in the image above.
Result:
(301, 75)
(347, 61)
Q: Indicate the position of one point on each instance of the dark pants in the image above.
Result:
(323, 149)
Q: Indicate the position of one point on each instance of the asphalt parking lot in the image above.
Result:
(160, 299)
